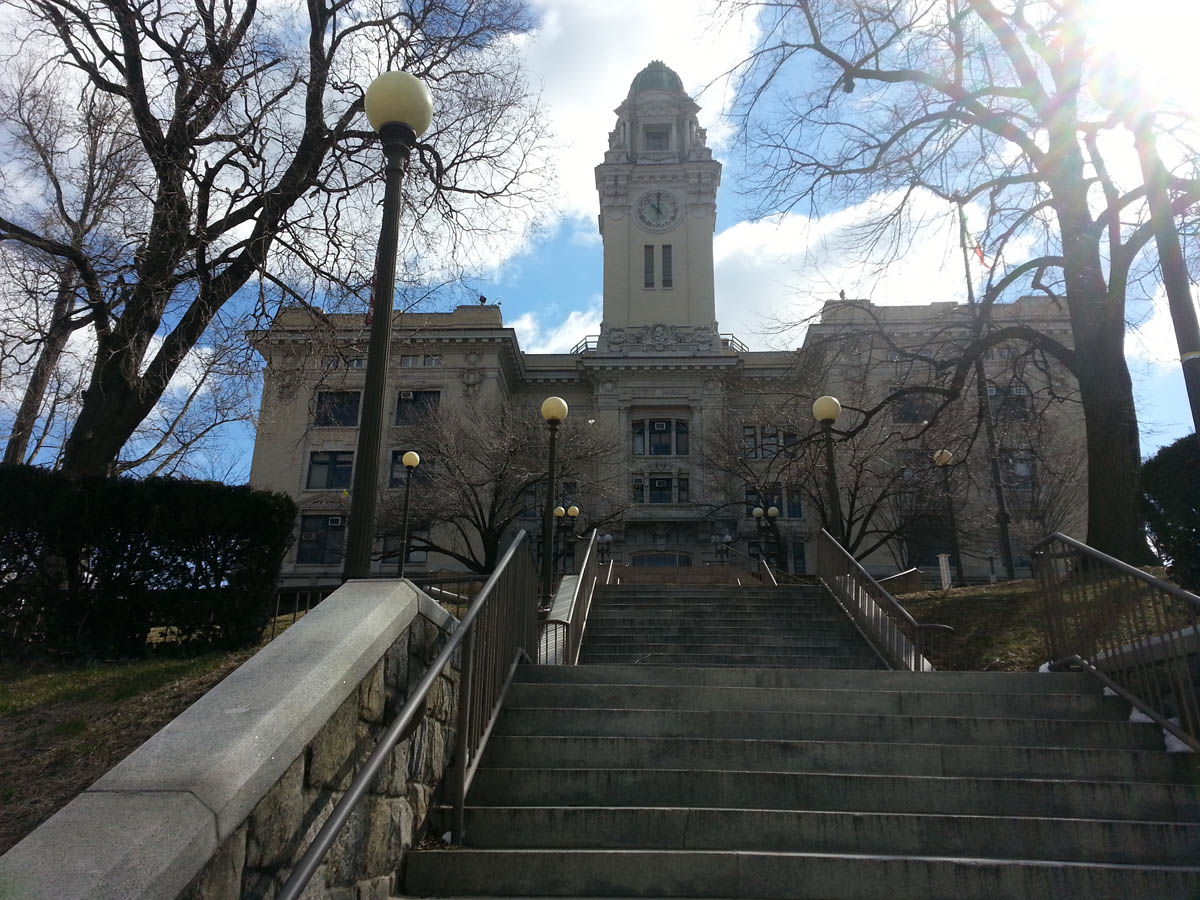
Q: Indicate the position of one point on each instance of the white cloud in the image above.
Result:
(537, 337)
(586, 54)
(1151, 339)
(778, 271)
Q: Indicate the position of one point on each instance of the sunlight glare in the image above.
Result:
(1152, 42)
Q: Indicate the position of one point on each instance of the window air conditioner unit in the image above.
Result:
(662, 482)
(308, 535)
(406, 395)
(660, 426)
(335, 520)
(637, 481)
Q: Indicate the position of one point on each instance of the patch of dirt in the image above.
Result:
(51, 753)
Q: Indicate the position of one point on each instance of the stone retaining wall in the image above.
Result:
(222, 801)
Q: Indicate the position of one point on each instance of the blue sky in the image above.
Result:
(766, 270)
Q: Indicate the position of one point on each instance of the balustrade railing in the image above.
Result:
(895, 634)
(562, 635)
(1138, 634)
(498, 632)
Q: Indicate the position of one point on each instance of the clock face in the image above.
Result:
(658, 211)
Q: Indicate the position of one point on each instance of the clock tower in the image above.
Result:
(658, 188)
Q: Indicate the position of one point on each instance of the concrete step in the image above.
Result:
(964, 682)
(816, 645)
(990, 731)
(589, 752)
(732, 661)
(712, 874)
(764, 606)
(745, 628)
(981, 836)
(755, 623)
(896, 703)
(831, 791)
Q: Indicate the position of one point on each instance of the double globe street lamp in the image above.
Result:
(400, 108)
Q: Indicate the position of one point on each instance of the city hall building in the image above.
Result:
(701, 429)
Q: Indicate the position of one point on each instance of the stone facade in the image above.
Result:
(255, 861)
(660, 379)
(221, 801)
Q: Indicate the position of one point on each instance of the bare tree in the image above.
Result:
(248, 124)
(82, 151)
(986, 104)
(483, 471)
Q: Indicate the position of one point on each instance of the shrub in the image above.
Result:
(1170, 496)
(91, 566)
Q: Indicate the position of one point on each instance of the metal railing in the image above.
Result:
(899, 639)
(758, 565)
(497, 633)
(455, 592)
(561, 637)
(1138, 634)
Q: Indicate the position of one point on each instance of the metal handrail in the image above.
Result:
(1124, 626)
(513, 616)
(576, 619)
(897, 636)
(762, 563)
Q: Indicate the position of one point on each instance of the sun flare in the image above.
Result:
(1152, 44)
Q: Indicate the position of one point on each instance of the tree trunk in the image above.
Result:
(35, 392)
(1114, 455)
(113, 407)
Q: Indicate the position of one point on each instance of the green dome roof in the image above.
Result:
(656, 77)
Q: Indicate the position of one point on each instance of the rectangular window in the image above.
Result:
(774, 497)
(648, 266)
(639, 490)
(750, 441)
(433, 362)
(660, 490)
(667, 275)
(909, 409)
(413, 406)
(657, 137)
(751, 499)
(410, 361)
(356, 362)
(683, 490)
(660, 437)
(681, 438)
(329, 469)
(337, 409)
(790, 442)
(799, 566)
(639, 438)
(398, 474)
(321, 539)
(795, 502)
(770, 442)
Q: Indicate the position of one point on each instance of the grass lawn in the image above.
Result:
(62, 727)
(997, 627)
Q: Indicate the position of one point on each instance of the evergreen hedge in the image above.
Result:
(90, 566)
(1170, 495)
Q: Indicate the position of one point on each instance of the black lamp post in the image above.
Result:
(826, 411)
(572, 533)
(400, 108)
(411, 460)
(554, 411)
(560, 521)
(942, 459)
(604, 548)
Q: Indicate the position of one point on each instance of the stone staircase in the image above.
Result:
(724, 779)
(797, 627)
